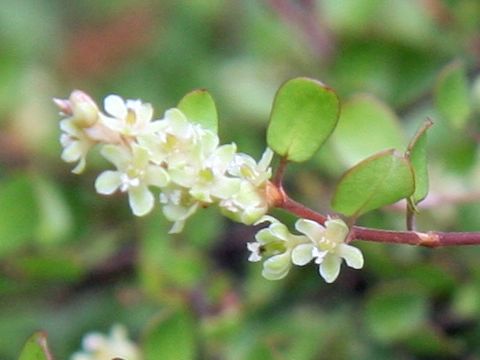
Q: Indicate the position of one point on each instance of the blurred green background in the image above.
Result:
(72, 261)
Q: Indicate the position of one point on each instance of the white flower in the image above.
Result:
(245, 167)
(97, 346)
(328, 246)
(277, 244)
(249, 204)
(130, 117)
(80, 108)
(207, 181)
(76, 144)
(135, 173)
(176, 142)
(178, 207)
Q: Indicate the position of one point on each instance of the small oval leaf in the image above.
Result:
(452, 95)
(304, 114)
(365, 127)
(199, 107)
(36, 348)
(417, 153)
(379, 180)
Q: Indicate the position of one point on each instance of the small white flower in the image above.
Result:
(249, 204)
(128, 117)
(76, 144)
(97, 346)
(328, 246)
(277, 245)
(178, 207)
(135, 173)
(245, 167)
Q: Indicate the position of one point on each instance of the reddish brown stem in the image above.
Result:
(278, 178)
(431, 239)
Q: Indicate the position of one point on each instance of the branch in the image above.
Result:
(431, 239)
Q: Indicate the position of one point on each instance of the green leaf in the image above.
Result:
(365, 127)
(417, 154)
(171, 337)
(304, 114)
(36, 348)
(452, 95)
(55, 218)
(18, 212)
(395, 312)
(382, 179)
(199, 107)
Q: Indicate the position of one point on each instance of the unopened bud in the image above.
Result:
(83, 109)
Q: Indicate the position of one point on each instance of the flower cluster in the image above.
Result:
(181, 158)
(326, 245)
(97, 346)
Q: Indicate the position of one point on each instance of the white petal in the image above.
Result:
(330, 267)
(177, 212)
(177, 227)
(266, 236)
(141, 200)
(277, 267)
(225, 188)
(117, 155)
(107, 182)
(115, 106)
(336, 230)
(302, 254)
(254, 247)
(80, 166)
(141, 156)
(280, 231)
(310, 228)
(156, 176)
(266, 159)
(145, 113)
(72, 152)
(353, 256)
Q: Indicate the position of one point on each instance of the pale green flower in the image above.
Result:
(97, 346)
(277, 245)
(328, 246)
(134, 175)
(76, 144)
(249, 204)
(176, 142)
(129, 117)
(178, 206)
(207, 181)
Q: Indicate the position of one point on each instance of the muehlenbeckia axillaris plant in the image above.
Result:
(179, 156)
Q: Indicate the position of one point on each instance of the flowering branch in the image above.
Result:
(431, 239)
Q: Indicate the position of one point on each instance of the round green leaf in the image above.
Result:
(171, 337)
(304, 114)
(36, 348)
(452, 95)
(379, 180)
(199, 107)
(417, 153)
(365, 127)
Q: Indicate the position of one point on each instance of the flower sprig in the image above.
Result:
(184, 160)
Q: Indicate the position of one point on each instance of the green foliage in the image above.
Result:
(304, 114)
(395, 312)
(18, 212)
(199, 108)
(452, 95)
(380, 180)
(172, 336)
(417, 154)
(36, 348)
(366, 126)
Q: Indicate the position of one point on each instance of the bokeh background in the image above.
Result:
(72, 261)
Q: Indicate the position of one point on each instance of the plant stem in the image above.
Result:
(431, 239)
